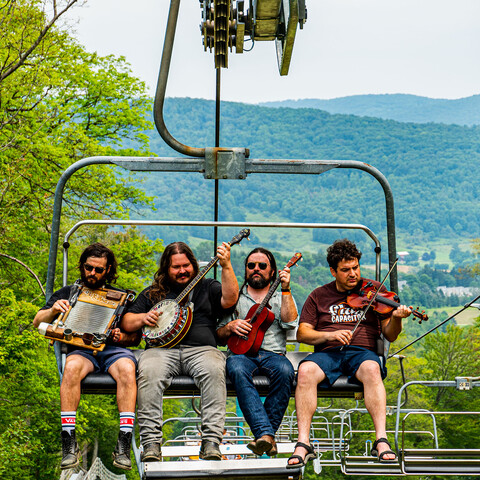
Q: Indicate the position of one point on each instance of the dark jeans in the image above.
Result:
(264, 419)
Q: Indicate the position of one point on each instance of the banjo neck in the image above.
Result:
(236, 239)
(195, 281)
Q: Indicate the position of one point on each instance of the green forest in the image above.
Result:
(60, 103)
(429, 168)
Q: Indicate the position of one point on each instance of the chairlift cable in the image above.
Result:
(469, 304)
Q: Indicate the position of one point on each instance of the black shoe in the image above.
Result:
(121, 454)
(70, 451)
(210, 451)
(151, 452)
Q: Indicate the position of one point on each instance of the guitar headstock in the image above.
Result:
(240, 236)
(294, 260)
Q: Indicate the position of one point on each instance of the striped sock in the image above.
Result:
(68, 421)
(127, 420)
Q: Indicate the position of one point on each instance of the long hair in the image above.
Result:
(271, 259)
(99, 250)
(342, 250)
(160, 286)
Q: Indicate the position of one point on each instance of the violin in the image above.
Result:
(384, 302)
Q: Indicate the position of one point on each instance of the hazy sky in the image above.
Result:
(347, 47)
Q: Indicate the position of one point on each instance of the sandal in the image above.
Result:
(302, 461)
(374, 451)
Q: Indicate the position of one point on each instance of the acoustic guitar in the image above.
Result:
(175, 318)
(260, 317)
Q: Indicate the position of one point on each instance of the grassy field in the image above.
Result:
(467, 317)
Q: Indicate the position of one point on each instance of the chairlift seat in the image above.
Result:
(182, 385)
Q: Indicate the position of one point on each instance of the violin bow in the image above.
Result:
(364, 312)
(469, 304)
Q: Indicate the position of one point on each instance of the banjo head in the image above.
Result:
(169, 313)
(170, 325)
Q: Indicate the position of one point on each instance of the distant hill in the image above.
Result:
(399, 107)
(432, 169)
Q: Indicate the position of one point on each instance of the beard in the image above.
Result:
(90, 281)
(258, 282)
(180, 281)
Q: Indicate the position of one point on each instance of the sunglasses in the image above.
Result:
(261, 265)
(89, 268)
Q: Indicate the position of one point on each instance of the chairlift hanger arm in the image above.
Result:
(228, 24)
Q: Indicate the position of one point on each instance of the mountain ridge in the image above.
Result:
(399, 107)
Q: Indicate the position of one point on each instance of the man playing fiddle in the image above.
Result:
(327, 322)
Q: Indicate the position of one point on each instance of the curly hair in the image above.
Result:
(160, 285)
(342, 250)
(98, 250)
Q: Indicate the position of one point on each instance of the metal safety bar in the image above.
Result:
(197, 165)
(170, 223)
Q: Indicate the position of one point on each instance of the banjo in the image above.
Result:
(175, 317)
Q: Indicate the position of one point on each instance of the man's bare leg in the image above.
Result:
(375, 401)
(309, 376)
(123, 372)
(76, 369)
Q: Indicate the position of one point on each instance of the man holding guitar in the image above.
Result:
(195, 354)
(269, 359)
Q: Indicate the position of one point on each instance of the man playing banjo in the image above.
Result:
(195, 354)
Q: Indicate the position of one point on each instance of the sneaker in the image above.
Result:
(121, 454)
(70, 451)
(210, 451)
(151, 452)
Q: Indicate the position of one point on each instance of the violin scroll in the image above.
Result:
(420, 315)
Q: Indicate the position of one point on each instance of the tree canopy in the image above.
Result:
(59, 103)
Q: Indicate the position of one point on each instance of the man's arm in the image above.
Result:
(391, 327)
(229, 280)
(238, 327)
(48, 315)
(125, 339)
(132, 322)
(288, 309)
(306, 333)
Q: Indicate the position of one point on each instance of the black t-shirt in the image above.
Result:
(207, 309)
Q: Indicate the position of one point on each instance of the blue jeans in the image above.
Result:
(264, 419)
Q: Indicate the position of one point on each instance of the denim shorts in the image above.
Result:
(103, 360)
(335, 363)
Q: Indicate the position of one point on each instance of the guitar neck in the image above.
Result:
(266, 299)
(194, 282)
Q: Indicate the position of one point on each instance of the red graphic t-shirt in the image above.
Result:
(326, 309)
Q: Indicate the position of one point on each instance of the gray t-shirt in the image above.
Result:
(275, 337)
